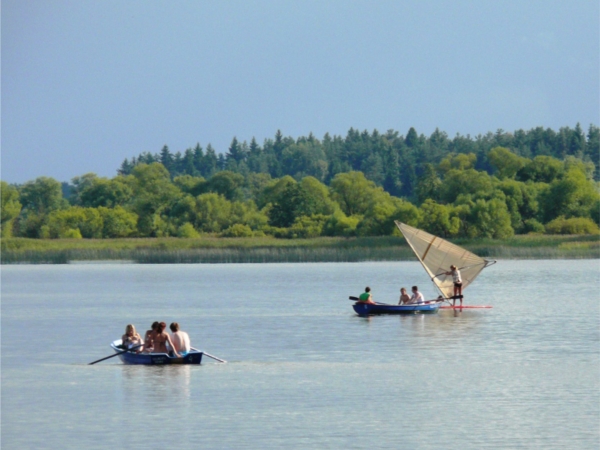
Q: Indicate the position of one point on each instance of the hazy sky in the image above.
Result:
(87, 83)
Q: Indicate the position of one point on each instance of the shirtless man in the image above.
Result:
(161, 339)
(181, 340)
(404, 297)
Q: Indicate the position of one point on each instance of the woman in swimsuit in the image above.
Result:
(149, 338)
(160, 341)
(131, 338)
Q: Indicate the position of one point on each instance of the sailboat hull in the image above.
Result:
(368, 309)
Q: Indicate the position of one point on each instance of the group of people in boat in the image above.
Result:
(156, 340)
(417, 298)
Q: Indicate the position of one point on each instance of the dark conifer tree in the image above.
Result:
(166, 158)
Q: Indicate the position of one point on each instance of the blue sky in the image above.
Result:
(86, 83)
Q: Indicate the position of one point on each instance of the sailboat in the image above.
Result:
(436, 255)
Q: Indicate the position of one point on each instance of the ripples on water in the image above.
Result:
(303, 371)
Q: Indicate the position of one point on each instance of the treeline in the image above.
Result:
(390, 160)
(465, 194)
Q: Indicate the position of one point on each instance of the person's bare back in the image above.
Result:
(161, 339)
(160, 343)
(180, 339)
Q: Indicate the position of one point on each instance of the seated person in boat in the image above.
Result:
(181, 340)
(366, 296)
(404, 297)
(457, 280)
(161, 339)
(417, 298)
(131, 338)
(149, 338)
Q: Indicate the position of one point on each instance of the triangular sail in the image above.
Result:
(437, 255)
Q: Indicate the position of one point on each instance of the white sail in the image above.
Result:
(437, 255)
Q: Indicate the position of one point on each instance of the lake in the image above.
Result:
(303, 371)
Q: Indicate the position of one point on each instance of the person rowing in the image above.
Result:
(417, 298)
(457, 280)
(366, 297)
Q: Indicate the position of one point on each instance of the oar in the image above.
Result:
(210, 356)
(116, 354)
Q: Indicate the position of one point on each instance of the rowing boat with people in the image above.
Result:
(367, 309)
(131, 357)
(436, 255)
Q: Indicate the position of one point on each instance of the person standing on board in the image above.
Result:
(181, 340)
(456, 278)
(417, 298)
(404, 297)
(366, 296)
(161, 339)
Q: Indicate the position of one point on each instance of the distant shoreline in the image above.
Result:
(271, 250)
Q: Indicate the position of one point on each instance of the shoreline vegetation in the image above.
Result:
(212, 250)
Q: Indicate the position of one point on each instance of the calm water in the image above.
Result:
(304, 372)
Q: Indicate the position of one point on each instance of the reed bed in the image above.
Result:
(271, 250)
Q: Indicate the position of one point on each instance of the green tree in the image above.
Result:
(338, 224)
(11, 207)
(506, 163)
(354, 193)
(190, 184)
(572, 196)
(305, 159)
(574, 225)
(543, 169)
(273, 190)
(490, 219)
(429, 184)
(461, 161)
(117, 222)
(228, 184)
(213, 212)
(104, 192)
(42, 196)
(470, 181)
(187, 230)
(319, 195)
(294, 201)
(153, 194)
(437, 220)
(87, 222)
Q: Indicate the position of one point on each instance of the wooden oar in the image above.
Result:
(116, 354)
(210, 356)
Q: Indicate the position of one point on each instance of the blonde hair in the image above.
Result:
(132, 328)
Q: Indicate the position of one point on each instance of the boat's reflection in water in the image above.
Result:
(157, 382)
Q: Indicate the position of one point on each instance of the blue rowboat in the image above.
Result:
(366, 309)
(193, 357)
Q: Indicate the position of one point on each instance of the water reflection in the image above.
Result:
(157, 382)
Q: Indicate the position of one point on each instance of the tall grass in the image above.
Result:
(263, 250)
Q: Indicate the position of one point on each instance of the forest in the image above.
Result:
(489, 186)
